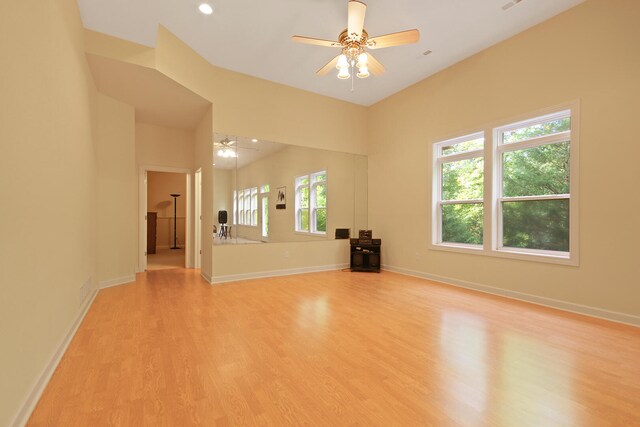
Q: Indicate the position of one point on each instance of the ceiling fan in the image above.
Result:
(354, 40)
(228, 148)
(225, 143)
(225, 148)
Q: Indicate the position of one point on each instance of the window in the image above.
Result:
(241, 207)
(311, 203)
(534, 184)
(460, 190)
(264, 195)
(254, 206)
(247, 206)
(522, 203)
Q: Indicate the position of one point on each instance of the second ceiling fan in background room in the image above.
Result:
(353, 41)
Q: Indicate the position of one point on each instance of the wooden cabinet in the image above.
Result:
(152, 225)
(365, 255)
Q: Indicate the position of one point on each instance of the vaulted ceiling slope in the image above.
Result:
(253, 37)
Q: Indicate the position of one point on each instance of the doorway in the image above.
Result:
(166, 220)
(165, 223)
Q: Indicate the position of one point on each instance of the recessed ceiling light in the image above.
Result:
(254, 140)
(206, 8)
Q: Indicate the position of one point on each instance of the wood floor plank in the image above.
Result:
(338, 349)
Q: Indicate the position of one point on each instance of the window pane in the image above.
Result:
(474, 144)
(264, 188)
(548, 128)
(462, 223)
(304, 220)
(321, 196)
(536, 224)
(319, 177)
(303, 180)
(321, 220)
(463, 180)
(536, 171)
(304, 197)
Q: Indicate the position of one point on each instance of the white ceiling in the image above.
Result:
(253, 37)
(247, 151)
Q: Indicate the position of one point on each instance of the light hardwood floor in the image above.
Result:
(337, 349)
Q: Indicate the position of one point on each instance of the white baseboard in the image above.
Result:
(272, 273)
(32, 399)
(115, 282)
(614, 316)
(206, 277)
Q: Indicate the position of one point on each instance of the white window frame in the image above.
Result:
(264, 213)
(440, 160)
(247, 207)
(298, 186)
(240, 202)
(312, 208)
(493, 150)
(254, 207)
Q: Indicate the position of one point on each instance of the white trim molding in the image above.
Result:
(600, 313)
(116, 282)
(39, 386)
(206, 277)
(274, 273)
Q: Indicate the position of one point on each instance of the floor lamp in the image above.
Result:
(175, 211)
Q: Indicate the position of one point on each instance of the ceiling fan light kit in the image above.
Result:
(354, 40)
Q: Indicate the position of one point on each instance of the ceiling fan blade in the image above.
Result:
(375, 66)
(355, 20)
(394, 39)
(331, 65)
(318, 42)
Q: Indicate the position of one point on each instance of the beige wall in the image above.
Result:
(223, 185)
(164, 146)
(586, 54)
(159, 187)
(204, 162)
(48, 181)
(117, 190)
(161, 147)
(236, 262)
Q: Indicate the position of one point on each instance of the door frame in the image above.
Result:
(142, 213)
(197, 216)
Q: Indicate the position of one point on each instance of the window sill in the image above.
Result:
(562, 258)
(311, 233)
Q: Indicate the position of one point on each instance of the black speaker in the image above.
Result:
(374, 261)
(357, 259)
(222, 217)
(342, 233)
